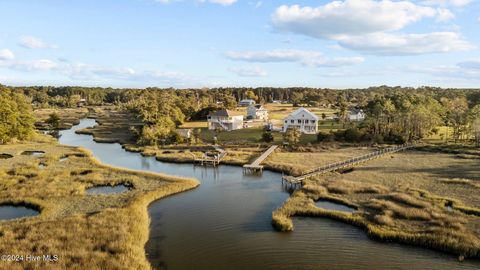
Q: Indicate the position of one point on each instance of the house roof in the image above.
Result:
(224, 113)
(247, 100)
(257, 107)
(303, 111)
(356, 111)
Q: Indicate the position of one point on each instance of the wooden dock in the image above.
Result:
(207, 160)
(255, 166)
(343, 164)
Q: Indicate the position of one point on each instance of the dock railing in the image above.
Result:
(349, 162)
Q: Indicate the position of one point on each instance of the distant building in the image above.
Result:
(81, 102)
(247, 102)
(225, 120)
(303, 120)
(257, 112)
(356, 115)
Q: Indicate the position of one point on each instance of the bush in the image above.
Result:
(339, 135)
(353, 135)
(396, 138)
(267, 137)
(322, 136)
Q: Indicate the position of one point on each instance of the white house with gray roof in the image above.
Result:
(303, 120)
(225, 120)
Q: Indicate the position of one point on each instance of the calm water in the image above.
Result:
(225, 224)
(334, 206)
(8, 212)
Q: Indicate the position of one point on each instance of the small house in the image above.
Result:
(246, 102)
(356, 115)
(303, 120)
(225, 120)
(257, 112)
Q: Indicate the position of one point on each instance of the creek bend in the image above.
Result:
(225, 223)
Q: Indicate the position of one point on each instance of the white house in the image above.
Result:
(303, 120)
(246, 102)
(225, 120)
(356, 115)
(257, 112)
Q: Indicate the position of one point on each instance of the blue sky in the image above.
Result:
(209, 43)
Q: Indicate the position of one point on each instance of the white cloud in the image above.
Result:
(335, 62)
(220, 2)
(455, 3)
(249, 71)
(277, 55)
(307, 58)
(407, 44)
(349, 17)
(6, 54)
(444, 15)
(35, 43)
(82, 71)
(35, 65)
(469, 70)
(471, 64)
(370, 26)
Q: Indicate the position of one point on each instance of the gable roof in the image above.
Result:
(303, 111)
(224, 113)
(247, 100)
(257, 107)
(356, 111)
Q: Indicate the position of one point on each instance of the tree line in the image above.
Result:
(394, 114)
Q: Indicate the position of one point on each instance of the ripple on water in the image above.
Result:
(8, 212)
(334, 206)
(5, 156)
(226, 224)
(34, 153)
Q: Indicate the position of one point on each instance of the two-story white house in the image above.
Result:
(225, 120)
(257, 112)
(356, 115)
(303, 120)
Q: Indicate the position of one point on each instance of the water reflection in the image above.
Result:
(226, 224)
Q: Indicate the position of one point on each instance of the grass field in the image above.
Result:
(296, 163)
(68, 117)
(85, 231)
(402, 197)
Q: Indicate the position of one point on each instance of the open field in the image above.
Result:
(402, 197)
(280, 111)
(85, 231)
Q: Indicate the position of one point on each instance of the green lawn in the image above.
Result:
(250, 135)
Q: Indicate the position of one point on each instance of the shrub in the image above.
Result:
(353, 135)
(267, 137)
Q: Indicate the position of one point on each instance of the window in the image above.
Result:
(286, 121)
(299, 121)
(312, 121)
(292, 121)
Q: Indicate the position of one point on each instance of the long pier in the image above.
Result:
(255, 166)
(346, 163)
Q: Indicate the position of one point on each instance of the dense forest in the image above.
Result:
(394, 114)
(16, 120)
